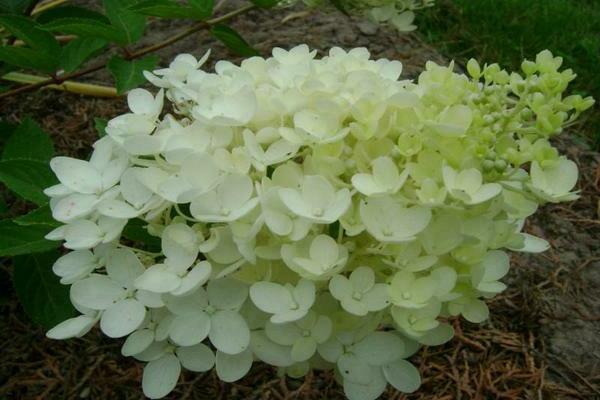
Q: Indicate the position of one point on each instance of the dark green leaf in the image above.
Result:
(16, 239)
(29, 141)
(14, 6)
(130, 23)
(27, 178)
(266, 3)
(86, 27)
(6, 131)
(39, 216)
(77, 51)
(70, 12)
(204, 8)
(128, 74)
(23, 57)
(165, 9)
(100, 125)
(42, 296)
(136, 230)
(29, 32)
(233, 40)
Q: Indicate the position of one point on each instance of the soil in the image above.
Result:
(543, 337)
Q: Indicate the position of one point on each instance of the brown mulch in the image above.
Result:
(541, 342)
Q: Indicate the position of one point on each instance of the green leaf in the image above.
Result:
(42, 296)
(233, 40)
(340, 6)
(136, 230)
(100, 125)
(70, 12)
(266, 3)
(204, 8)
(77, 51)
(16, 239)
(29, 141)
(39, 216)
(165, 9)
(14, 6)
(128, 74)
(130, 23)
(26, 58)
(27, 178)
(86, 27)
(29, 32)
(6, 131)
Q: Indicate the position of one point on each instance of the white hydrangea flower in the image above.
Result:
(315, 258)
(316, 200)
(304, 335)
(286, 303)
(359, 293)
(468, 187)
(307, 212)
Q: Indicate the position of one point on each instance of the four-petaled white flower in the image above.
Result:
(359, 294)
(287, 303)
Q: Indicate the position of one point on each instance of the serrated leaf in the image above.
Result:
(27, 178)
(130, 23)
(128, 74)
(16, 239)
(204, 8)
(70, 12)
(29, 141)
(100, 125)
(26, 58)
(14, 6)
(86, 27)
(233, 40)
(42, 296)
(39, 216)
(266, 3)
(165, 9)
(77, 51)
(29, 32)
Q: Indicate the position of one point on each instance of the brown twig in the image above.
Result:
(133, 55)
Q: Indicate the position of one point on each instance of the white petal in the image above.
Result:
(270, 297)
(380, 348)
(117, 209)
(71, 328)
(303, 349)
(158, 279)
(97, 292)
(270, 352)
(226, 293)
(77, 175)
(74, 265)
(198, 358)
(402, 375)
(122, 318)
(188, 330)
(231, 368)
(137, 342)
(82, 234)
(229, 332)
(369, 391)
(74, 206)
(123, 266)
(197, 277)
(161, 376)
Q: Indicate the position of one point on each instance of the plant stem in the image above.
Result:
(67, 86)
(135, 54)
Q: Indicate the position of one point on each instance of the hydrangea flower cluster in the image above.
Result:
(312, 213)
